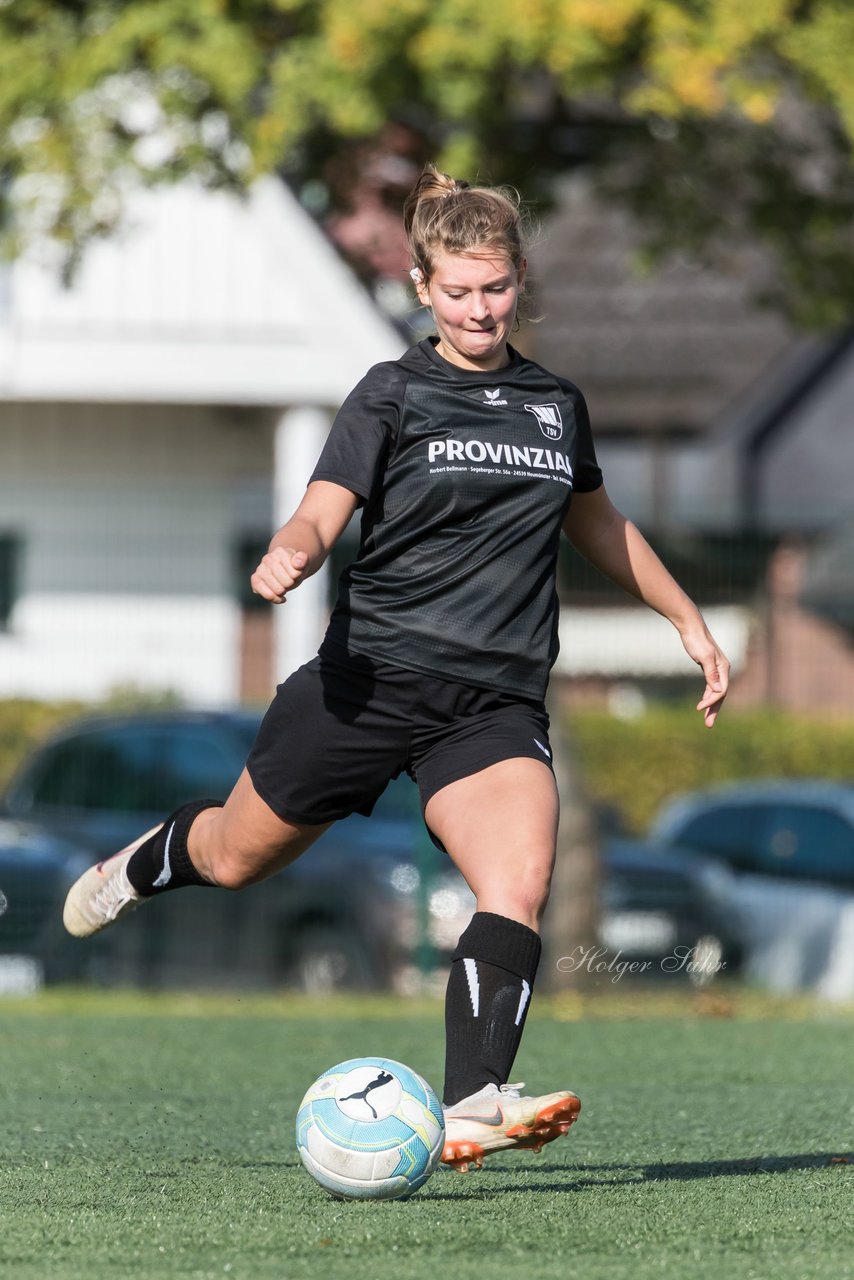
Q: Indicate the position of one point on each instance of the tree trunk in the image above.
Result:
(571, 920)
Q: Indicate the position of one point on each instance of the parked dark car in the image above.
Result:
(794, 829)
(34, 874)
(371, 904)
(353, 912)
(789, 845)
(668, 912)
(663, 917)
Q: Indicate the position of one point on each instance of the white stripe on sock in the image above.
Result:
(474, 986)
(523, 1000)
(166, 874)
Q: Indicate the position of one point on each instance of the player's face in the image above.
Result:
(473, 297)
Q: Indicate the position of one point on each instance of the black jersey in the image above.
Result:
(465, 479)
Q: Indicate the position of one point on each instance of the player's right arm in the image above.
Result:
(301, 546)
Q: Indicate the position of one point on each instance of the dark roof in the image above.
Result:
(674, 350)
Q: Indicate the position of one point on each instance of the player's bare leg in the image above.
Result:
(229, 846)
(500, 828)
(244, 841)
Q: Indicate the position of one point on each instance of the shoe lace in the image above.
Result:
(512, 1090)
(112, 896)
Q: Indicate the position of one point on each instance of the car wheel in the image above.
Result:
(706, 960)
(326, 959)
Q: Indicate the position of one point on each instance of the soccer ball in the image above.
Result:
(370, 1129)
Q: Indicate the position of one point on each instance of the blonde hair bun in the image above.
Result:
(445, 213)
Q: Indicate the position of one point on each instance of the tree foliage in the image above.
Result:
(709, 117)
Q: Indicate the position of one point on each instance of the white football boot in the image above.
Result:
(103, 894)
(501, 1119)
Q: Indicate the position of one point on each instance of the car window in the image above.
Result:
(807, 842)
(725, 831)
(103, 770)
(242, 731)
(195, 762)
(137, 768)
(399, 802)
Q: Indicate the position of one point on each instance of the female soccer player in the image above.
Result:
(467, 460)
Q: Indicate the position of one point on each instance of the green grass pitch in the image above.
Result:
(150, 1138)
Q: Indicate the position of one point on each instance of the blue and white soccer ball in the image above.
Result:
(370, 1129)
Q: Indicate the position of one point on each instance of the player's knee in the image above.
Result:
(534, 905)
(530, 896)
(229, 872)
(525, 905)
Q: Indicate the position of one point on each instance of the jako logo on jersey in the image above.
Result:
(548, 416)
(492, 397)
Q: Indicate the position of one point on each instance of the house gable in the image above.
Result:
(204, 297)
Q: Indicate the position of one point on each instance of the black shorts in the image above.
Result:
(342, 726)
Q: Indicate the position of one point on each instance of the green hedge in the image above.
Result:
(637, 764)
(23, 723)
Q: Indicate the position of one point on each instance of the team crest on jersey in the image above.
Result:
(548, 416)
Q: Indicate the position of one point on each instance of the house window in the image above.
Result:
(247, 554)
(9, 548)
(249, 550)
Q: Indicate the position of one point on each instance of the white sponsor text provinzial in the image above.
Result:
(510, 455)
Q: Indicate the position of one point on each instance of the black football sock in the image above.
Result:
(489, 990)
(162, 862)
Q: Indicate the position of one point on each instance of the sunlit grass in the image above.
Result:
(151, 1136)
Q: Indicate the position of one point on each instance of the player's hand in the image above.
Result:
(279, 572)
(700, 646)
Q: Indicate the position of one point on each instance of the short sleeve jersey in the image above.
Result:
(465, 478)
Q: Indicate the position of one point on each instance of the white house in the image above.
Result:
(158, 418)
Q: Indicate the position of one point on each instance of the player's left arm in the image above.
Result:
(604, 536)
